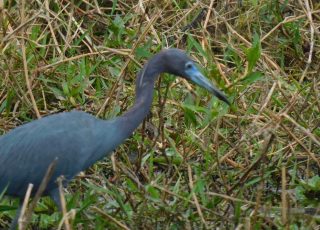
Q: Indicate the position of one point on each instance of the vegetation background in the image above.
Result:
(194, 163)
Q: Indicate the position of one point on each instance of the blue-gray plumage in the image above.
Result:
(78, 139)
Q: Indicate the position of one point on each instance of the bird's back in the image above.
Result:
(75, 138)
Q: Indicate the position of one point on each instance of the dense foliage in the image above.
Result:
(195, 162)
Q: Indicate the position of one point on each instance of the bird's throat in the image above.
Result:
(130, 120)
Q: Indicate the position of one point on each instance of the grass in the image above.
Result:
(200, 164)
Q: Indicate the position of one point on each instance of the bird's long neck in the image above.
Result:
(130, 120)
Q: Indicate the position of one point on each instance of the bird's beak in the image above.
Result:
(196, 76)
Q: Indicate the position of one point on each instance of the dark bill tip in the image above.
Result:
(202, 81)
(220, 96)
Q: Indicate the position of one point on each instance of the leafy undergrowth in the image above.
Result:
(201, 164)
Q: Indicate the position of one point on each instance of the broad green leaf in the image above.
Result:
(253, 53)
(252, 77)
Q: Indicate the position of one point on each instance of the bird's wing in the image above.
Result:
(27, 151)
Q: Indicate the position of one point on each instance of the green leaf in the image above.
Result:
(199, 186)
(194, 108)
(114, 4)
(189, 116)
(144, 51)
(57, 93)
(312, 184)
(253, 54)
(3, 105)
(131, 186)
(154, 193)
(194, 43)
(308, 191)
(65, 88)
(252, 77)
(4, 208)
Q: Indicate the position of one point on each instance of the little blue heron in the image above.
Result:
(77, 139)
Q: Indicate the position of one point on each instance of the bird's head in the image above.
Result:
(178, 63)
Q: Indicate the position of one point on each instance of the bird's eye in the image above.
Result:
(188, 65)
